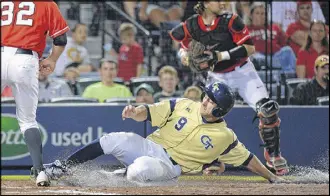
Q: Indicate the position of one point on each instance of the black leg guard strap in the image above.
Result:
(271, 138)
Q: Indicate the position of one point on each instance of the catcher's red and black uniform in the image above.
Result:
(227, 32)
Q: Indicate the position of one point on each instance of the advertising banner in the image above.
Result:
(64, 129)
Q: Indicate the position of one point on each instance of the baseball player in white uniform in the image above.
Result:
(24, 27)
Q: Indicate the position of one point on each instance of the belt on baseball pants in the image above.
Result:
(173, 162)
(20, 51)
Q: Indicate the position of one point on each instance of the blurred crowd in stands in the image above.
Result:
(291, 40)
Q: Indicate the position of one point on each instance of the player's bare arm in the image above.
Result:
(136, 113)
(257, 167)
(47, 65)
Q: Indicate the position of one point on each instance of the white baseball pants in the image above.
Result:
(245, 80)
(145, 160)
(20, 72)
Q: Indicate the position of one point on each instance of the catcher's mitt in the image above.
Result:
(198, 60)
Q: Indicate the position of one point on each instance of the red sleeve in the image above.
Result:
(139, 54)
(239, 37)
(57, 24)
(291, 29)
(301, 58)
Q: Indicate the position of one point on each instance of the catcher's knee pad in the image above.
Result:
(269, 122)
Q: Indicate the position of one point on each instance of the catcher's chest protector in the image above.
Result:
(220, 35)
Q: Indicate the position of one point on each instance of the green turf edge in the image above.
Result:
(230, 178)
(15, 177)
(187, 177)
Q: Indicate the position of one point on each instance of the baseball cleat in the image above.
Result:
(279, 164)
(42, 179)
(40, 176)
(56, 169)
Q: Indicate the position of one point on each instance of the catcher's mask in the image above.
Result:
(222, 95)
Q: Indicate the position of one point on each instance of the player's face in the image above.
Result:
(108, 71)
(305, 12)
(216, 7)
(144, 97)
(317, 32)
(168, 82)
(80, 35)
(258, 16)
(207, 106)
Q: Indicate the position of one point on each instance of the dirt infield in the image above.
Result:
(207, 186)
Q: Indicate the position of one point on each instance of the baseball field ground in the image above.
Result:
(97, 184)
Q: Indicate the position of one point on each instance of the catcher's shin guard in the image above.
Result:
(269, 130)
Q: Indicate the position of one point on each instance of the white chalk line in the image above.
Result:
(77, 192)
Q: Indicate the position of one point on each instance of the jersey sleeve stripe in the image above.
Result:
(231, 146)
(172, 104)
(59, 32)
(243, 39)
(247, 161)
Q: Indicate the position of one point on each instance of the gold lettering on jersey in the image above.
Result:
(206, 141)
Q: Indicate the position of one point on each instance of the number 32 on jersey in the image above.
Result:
(26, 9)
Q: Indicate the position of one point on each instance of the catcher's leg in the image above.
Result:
(269, 132)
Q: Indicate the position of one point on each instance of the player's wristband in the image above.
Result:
(225, 55)
(238, 52)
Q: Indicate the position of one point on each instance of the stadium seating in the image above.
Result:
(7, 100)
(127, 100)
(323, 100)
(73, 100)
(290, 85)
(151, 80)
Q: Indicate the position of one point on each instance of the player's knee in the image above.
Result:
(267, 110)
(145, 169)
(28, 125)
(137, 170)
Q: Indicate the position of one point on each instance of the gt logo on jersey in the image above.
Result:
(206, 141)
